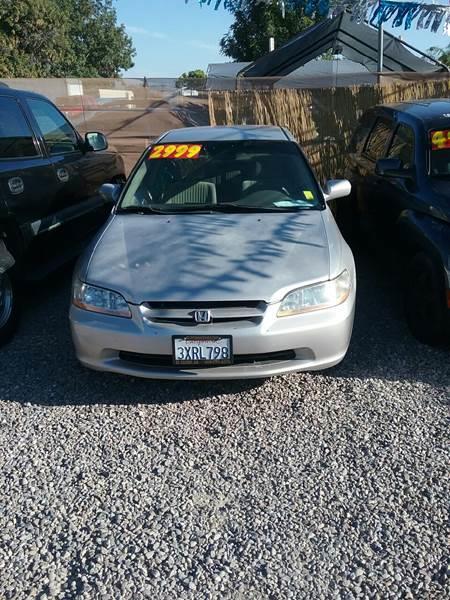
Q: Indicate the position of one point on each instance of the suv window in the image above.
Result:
(16, 137)
(56, 130)
(361, 132)
(402, 146)
(378, 139)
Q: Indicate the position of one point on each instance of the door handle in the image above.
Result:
(63, 174)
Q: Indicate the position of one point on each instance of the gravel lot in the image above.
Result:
(312, 486)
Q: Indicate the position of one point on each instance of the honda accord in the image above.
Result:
(221, 260)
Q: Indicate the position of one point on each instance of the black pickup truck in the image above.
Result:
(49, 201)
(399, 166)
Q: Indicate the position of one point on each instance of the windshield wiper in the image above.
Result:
(140, 210)
(230, 208)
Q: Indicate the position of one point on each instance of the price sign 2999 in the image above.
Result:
(175, 151)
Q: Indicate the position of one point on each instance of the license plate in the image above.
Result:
(202, 350)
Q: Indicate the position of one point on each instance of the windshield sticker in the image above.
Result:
(308, 195)
(288, 203)
(175, 151)
(440, 140)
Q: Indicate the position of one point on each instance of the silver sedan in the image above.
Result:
(221, 260)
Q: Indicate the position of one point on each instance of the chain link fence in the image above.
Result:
(134, 112)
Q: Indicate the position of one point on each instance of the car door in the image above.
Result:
(370, 196)
(77, 210)
(27, 182)
(64, 149)
(397, 193)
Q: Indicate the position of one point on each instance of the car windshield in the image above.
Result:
(440, 153)
(240, 176)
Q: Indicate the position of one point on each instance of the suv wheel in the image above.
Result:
(8, 308)
(425, 300)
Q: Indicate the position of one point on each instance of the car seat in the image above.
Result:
(251, 175)
(202, 192)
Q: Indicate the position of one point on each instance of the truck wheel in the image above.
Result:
(8, 308)
(425, 300)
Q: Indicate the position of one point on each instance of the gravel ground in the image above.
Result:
(311, 486)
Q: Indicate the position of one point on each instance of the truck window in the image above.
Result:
(359, 137)
(377, 143)
(57, 132)
(402, 146)
(16, 137)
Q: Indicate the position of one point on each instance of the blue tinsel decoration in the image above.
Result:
(319, 6)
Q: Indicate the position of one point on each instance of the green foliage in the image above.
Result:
(255, 23)
(193, 79)
(442, 54)
(62, 38)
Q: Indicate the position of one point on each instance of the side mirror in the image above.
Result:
(110, 192)
(95, 141)
(337, 188)
(393, 167)
(386, 166)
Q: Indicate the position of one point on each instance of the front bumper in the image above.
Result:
(316, 340)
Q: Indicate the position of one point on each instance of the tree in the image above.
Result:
(442, 54)
(32, 38)
(194, 80)
(256, 22)
(62, 38)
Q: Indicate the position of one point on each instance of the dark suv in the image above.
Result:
(399, 166)
(49, 182)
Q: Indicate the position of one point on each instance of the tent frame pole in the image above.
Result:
(380, 47)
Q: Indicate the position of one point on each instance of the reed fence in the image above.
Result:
(322, 119)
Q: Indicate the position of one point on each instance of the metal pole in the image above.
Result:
(380, 47)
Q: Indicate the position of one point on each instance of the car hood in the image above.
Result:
(209, 257)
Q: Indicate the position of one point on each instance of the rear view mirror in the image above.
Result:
(96, 141)
(110, 192)
(337, 188)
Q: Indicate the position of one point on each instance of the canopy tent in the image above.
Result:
(356, 41)
(316, 73)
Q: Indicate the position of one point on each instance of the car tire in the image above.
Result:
(9, 311)
(425, 305)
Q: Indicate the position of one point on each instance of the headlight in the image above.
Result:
(315, 297)
(95, 299)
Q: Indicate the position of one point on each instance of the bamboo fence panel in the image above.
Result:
(322, 119)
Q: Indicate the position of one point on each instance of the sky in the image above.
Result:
(172, 37)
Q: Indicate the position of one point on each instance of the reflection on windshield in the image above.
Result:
(440, 163)
(225, 176)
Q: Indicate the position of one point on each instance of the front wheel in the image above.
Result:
(8, 308)
(425, 304)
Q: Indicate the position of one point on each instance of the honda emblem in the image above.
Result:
(202, 316)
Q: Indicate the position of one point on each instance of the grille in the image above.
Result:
(182, 313)
(165, 360)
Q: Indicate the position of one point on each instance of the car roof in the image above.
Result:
(431, 112)
(7, 91)
(234, 133)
